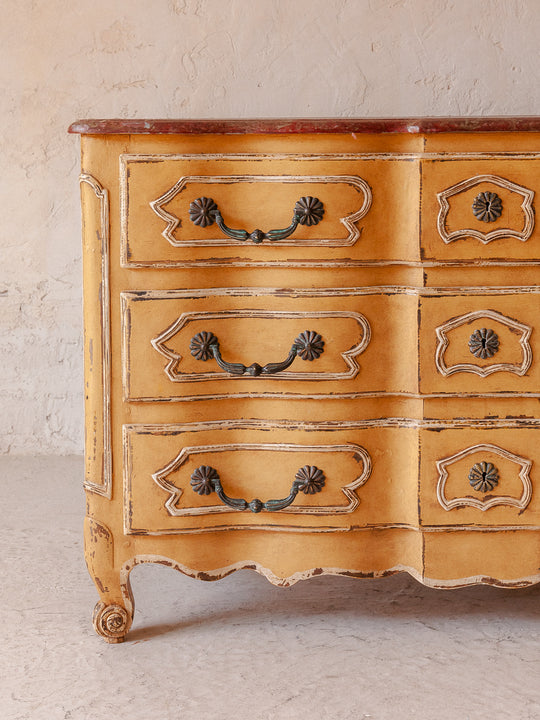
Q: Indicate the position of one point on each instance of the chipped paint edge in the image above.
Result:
(219, 573)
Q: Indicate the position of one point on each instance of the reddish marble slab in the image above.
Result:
(307, 125)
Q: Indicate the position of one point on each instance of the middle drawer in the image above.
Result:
(480, 343)
(267, 342)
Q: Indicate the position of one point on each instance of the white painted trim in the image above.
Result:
(172, 221)
(349, 490)
(250, 291)
(526, 205)
(174, 359)
(483, 370)
(322, 425)
(222, 572)
(126, 158)
(491, 501)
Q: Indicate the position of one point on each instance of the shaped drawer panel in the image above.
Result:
(365, 212)
(480, 209)
(479, 477)
(348, 345)
(345, 477)
(479, 343)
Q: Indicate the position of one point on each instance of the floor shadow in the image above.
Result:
(245, 597)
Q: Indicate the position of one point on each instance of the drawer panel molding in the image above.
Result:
(175, 374)
(175, 493)
(486, 476)
(477, 341)
(96, 224)
(173, 222)
(522, 234)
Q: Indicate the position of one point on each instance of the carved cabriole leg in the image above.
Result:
(113, 614)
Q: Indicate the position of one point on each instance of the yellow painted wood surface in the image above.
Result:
(396, 292)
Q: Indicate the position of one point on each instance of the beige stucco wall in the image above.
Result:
(61, 60)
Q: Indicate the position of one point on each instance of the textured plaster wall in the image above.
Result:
(61, 60)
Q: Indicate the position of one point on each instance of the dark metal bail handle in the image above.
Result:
(308, 211)
(309, 345)
(309, 480)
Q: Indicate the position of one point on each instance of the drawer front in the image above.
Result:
(480, 343)
(167, 219)
(346, 346)
(346, 477)
(480, 209)
(479, 477)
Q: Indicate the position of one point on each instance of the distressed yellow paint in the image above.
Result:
(391, 292)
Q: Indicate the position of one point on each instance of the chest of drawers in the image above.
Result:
(311, 347)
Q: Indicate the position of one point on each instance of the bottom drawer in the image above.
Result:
(267, 475)
(479, 477)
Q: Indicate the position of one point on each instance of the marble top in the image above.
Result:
(422, 125)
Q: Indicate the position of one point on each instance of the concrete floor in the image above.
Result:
(329, 648)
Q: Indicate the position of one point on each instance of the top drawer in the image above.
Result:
(481, 209)
(369, 209)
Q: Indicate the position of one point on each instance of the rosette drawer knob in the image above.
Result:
(487, 207)
(484, 343)
(483, 477)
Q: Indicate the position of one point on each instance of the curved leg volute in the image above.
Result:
(113, 613)
(111, 622)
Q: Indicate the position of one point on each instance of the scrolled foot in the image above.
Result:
(111, 622)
